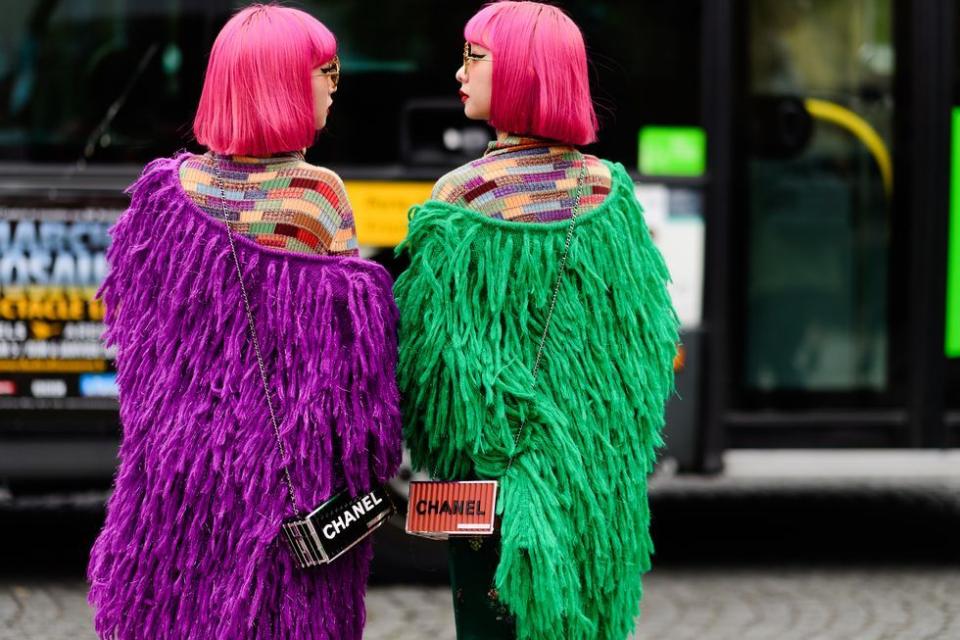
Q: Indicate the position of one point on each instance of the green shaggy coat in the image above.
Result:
(575, 517)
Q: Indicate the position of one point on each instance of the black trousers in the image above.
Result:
(476, 606)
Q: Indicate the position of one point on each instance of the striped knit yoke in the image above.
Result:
(280, 201)
(526, 180)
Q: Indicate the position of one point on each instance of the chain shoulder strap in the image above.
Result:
(553, 301)
(256, 341)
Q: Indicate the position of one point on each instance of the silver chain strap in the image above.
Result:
(256, 341)
(553, 302)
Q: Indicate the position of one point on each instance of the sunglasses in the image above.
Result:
(469, 56)
(332, 71)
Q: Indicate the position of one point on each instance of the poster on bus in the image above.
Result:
(51, 355)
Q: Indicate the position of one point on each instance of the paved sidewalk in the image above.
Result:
(680, 604)
(802, 604)
(769, 604)
(847, 546)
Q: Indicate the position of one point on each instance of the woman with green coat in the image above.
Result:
(537, 341)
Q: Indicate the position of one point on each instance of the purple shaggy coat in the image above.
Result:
(190, 547)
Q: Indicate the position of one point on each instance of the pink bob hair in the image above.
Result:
(540, 82)
(257, 95)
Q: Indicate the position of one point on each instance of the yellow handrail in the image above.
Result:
(847, 119)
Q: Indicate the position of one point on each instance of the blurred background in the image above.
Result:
(799, 166)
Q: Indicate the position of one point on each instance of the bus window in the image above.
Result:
(820, 178)
(116, 82)
(99, 80)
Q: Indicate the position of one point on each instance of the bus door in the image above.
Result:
(835, 302)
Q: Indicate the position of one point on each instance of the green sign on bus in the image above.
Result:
(672, 151)
(952, 345)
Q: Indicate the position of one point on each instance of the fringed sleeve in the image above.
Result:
(472, 304)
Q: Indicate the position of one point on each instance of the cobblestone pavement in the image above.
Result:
(680, 604)
(802, 604)
(822, 557)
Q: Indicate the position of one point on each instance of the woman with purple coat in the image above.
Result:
(191, 547)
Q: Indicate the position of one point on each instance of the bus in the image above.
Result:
(798, 163)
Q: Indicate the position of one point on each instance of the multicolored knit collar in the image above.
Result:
(517, 143)
(275, 158)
